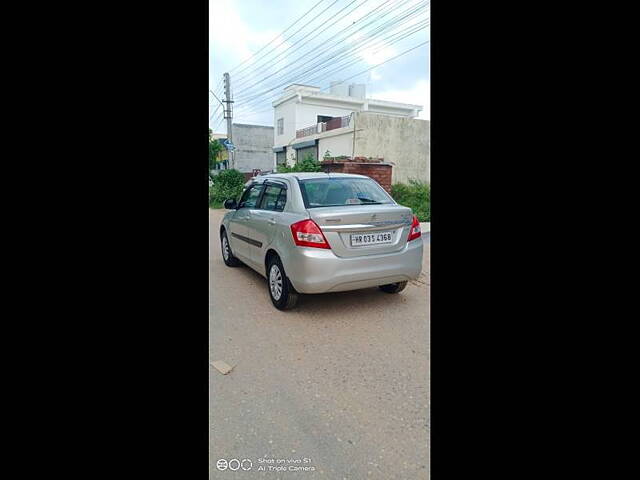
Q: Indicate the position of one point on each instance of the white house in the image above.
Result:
(345, 122)
(303, 108)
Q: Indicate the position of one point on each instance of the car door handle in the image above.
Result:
(271, 221)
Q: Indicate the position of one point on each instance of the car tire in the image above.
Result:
(227, 254)
(393, 287)
(283, 295)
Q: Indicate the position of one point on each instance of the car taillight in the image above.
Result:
(307, 233)
(415, 229)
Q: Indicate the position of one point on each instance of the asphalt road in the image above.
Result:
(339, 384)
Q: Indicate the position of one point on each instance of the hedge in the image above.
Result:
(415, 195)
(226, 184)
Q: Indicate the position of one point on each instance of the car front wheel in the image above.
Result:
(227, 254)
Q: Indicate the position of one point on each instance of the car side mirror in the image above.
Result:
(230, 204)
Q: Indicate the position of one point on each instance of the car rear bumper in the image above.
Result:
(315, 270)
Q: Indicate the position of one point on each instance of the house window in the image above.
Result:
(281, 126)
(323, 118)
(308, 151)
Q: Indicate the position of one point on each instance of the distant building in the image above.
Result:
(254, 147)
(343, 122)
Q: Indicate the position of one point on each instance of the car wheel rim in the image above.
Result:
(225, 248)
(275, 282)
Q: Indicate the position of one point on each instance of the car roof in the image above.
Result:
(308, 175)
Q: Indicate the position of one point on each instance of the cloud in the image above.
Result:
(224, 25)
(419, 94)
(374, 56)
(240, 28)
(232, 40)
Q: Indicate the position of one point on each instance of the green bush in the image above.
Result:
(308, 164)
(227, 184)
(415, 195)
(213, 203)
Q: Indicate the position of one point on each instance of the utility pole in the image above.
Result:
(228, 114)
(353, 150)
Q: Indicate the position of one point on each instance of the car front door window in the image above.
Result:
(251, 197)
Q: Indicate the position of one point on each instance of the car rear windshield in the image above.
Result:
(338, 192)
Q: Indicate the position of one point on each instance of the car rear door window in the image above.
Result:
(274, 198)
(282, 200)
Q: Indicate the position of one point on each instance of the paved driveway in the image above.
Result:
(339, 384)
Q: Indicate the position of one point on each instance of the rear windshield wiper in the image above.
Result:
(368, 200)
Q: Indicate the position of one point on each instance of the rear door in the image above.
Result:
(264, 218)
(239, 238)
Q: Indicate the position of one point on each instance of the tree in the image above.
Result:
(214, 150)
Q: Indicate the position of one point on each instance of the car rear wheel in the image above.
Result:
(393, 287)
(227, 254)
(281, 291)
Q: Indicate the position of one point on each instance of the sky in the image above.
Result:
(266, 46)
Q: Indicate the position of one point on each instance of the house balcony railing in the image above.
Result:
(305, 132)
(337, 122)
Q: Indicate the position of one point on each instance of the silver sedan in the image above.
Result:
(318, 232)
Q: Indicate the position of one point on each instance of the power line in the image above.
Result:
(338, 56)
(373, 33)
(379, 43)
(296, 21)
(348, 64)
(382, 63)
(363, 71)
(216, 95)
(216, 127)
(245, 77)
(216, 109)
(219, 101)
(336, 39)
(335, 1)
(214, 112)
(249, 108)
(418, 28)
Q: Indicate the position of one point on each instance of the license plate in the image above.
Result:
(373, 238)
